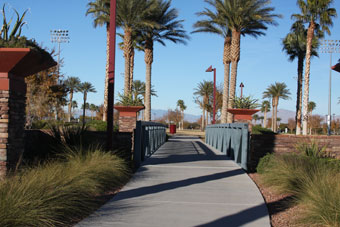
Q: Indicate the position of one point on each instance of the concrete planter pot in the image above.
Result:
(128, 117)
(18, 63)
(243, 114)
(129, 111)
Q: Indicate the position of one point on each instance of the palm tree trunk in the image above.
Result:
(148, 58)
(235, 58)
(310, 34)
(106, 72)
(70, 107)
(299, 96)
(273, 114)
(226, 62)
(207, 117)
(127, 55)
(203, 119)
(265, 118)
(84, 108)
(132, 65)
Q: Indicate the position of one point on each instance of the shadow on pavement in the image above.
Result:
(241, 218)
(142, 191)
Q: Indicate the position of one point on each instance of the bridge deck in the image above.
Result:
(185, 183)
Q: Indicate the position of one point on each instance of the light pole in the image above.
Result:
(241, 86)
(211, 69)
(330, 46)
(111, 82)
(59, 36)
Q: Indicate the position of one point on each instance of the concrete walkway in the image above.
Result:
(185, 183)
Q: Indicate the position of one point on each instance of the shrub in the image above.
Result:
(264, 163)
(97, 125)
(312, 149)
(257, 129)
(59, 192)
(321, 199)
(313, 181)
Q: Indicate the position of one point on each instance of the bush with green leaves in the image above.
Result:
(129, 100)
(12, 38)
(312, 149)
(246, 102)
(258, 130)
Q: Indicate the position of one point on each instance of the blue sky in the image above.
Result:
(177, 69)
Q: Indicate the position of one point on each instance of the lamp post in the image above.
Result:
(241, 86)
(112, 55)
(330, 46)
(211, 69)
(59, 36)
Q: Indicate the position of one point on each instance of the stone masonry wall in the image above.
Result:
(12, 121)
(260, 145)
(127, 123)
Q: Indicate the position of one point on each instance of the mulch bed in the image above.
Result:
(281, 207)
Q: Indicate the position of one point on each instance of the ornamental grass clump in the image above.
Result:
(313, 181)
(60, 192)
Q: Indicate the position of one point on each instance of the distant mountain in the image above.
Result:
(157, 113)
(281, 113)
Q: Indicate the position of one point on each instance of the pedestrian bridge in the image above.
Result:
(185, 183)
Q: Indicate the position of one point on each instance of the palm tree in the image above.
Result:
(138, 88)
(203, 93)
(256, 118)
(244, 17)
(131, 16)
(294, 44)
(275, 92)
(182, 107)
(72, 85)
(85, 88)
(93, 108)
(311, 107)
(265, 107)
(168, 28)
(215, 23)
(100, 11)
(318, 15)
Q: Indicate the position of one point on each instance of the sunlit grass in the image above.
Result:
(61, 191)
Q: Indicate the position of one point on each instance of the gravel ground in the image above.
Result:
(281, 207)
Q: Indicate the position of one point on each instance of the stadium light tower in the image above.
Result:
(59, 36)
(330, 46)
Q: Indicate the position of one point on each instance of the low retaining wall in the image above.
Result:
(260, 145)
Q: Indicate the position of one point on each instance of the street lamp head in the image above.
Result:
(241, 85)
(210, 69)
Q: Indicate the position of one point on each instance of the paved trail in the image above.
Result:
(185, 183)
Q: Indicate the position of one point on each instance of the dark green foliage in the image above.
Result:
(264, 163)
(246, 102)
(129, 100)
(257, 129)
(312, 149)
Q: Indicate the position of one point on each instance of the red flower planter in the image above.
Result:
(243, 114)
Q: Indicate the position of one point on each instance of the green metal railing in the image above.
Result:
(149, 136)
(230, 139)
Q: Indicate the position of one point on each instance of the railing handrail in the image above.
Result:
(229, 125)
(150, 123)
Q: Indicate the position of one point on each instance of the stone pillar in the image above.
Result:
(127, 123)
(128, 117)
(12, 121)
